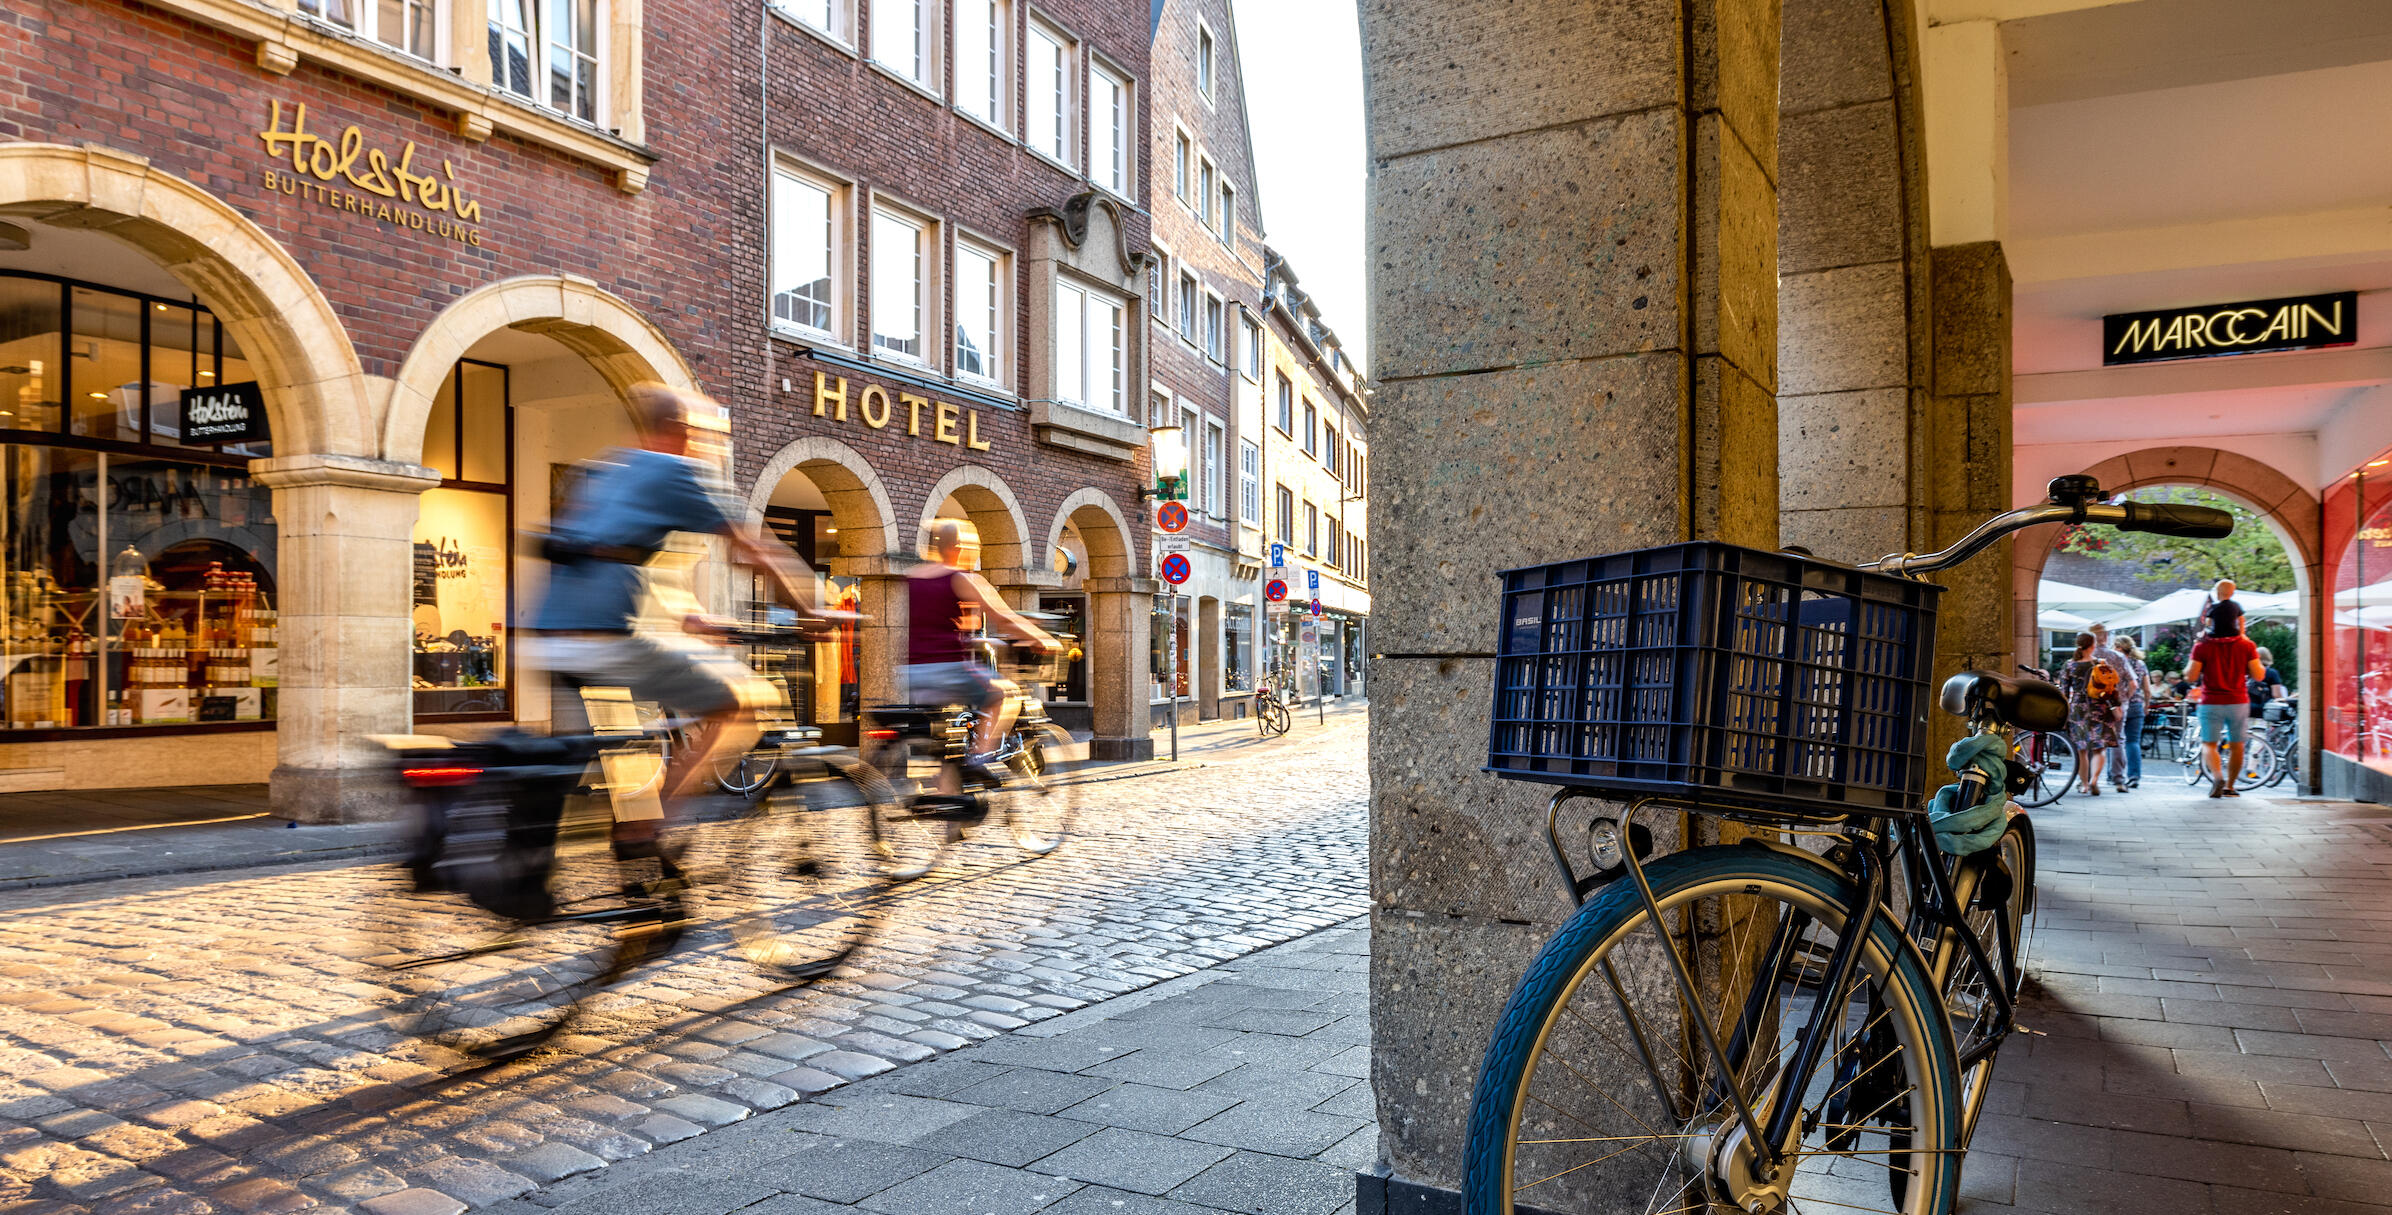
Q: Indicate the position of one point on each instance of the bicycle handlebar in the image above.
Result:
(2073, 500)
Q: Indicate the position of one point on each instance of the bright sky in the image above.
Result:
(1303, 67)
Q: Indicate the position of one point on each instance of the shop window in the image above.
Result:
(1112, 129)
(900, 285)
(1158, 649)
(806, 251)
(1049, 86)
(980, 304)
(1072, 631)
(460, 584)
(32, 355)
(1091, 355)
(980, 45)
(104, 365)
(1237, 648)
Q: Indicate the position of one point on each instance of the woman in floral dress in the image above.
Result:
(2092, 720)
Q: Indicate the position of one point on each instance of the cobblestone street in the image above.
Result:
(213, 1042)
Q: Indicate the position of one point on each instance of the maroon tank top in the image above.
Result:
(932, 610)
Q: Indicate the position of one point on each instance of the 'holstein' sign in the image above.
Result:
(226, 413)
(2304, 322)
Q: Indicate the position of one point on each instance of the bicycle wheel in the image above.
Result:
(1998, 882)
(494, 987)
(1039, 803)
(749, 774)
(794, 878)
(2050, 761)
(1595, 1094)
(2259, 763)
(1275, 719)
(908, 844)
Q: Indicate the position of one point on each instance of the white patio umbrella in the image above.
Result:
(2374, 594)
(2263, 605)
(2069, 597)
(2179, 606)
(2056, 621)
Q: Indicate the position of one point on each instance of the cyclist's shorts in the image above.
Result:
(2225, 723)
(695, 680)
(947, 683)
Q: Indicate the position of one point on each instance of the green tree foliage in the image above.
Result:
(2252, 556)
(2280, 641)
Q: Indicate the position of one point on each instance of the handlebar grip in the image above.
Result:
(2177, 519)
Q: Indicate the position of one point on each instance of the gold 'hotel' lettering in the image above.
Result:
(2235, 328)
(872, 408)
(423, 202)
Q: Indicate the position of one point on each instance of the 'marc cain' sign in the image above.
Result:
(2305, 322)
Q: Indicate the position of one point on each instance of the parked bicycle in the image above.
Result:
(2048, 756)
(2282, 730)
(1846, 1048)
(522, 907)
(1271, 715)
(916, 748)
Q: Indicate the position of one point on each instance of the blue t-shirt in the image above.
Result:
(635, 500)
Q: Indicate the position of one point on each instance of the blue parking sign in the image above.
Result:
(1312, 581)
(1278, 553)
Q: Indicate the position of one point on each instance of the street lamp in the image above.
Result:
(1170, 463)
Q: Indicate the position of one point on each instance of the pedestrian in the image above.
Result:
(2094, 704)
(2269, 687)
(2223, 615)
(2127, 769)
(2224, 662)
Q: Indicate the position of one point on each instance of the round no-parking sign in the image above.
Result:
(1175, 568)
(1172, 517)
(1275, 590)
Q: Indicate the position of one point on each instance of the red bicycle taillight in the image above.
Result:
(880, 735)
(439, 778)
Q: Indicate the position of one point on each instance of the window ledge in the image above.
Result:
(1075, 428)
(1040, 153)
(903, 79)
(835, 41)
(986, 125)
(284, 38)
(811, 338)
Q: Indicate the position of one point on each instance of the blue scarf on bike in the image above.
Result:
(1961, 832)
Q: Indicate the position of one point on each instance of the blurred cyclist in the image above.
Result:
(941, 668)
(612, 523)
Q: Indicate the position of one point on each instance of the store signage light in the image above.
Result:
(878, 408)
(409, 200)
(2304, 322)
(224, 413)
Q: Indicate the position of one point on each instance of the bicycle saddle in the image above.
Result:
(2022, 704)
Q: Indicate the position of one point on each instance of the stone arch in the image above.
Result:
(2290, 511)
(995, 512)
(314, 387)
(619, 343)
(1104, 531)
(858, 499)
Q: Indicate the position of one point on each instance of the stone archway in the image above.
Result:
(1104, 531)
(314, 387)
(869, 550)
(2291, 513)
(619, 343)
(1120, 618)
(996, 514)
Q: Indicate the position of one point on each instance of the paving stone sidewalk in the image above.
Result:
(1241, 1088)
(2215, 978)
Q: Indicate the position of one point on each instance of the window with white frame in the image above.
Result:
(1229, 214)
(1285, 501)
(1158, 290)
(827, 16)
(1287, 406)
(1312, 430)
(1332, 452)
(1091, 349)
(1183, 156)
(1253, 352)
(1158, 408)
(1204, 62)
(805, 250)
(1189, 429)
(1250, 481)
(1187, 304)
(412, 26)
(901, 252)
(981, 279)
(1049, 84)
(901, 39)
(1111, 126)
(547, 54)
(1216, 335)
(1215, 440)
(1312, 530)
(1336, 553)
(981, 81)
(1206, 202)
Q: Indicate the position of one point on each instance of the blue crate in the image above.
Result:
(1708, 672)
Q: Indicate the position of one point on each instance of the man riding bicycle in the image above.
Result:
(941, 667)
(613, 522)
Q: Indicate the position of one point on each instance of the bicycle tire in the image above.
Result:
(1965, 999)
(907, 844)
(794, 878)
(493, 987)
(1910, 1031)
(1040, 805)
(1276, 720)
(748, 774)
(2050, 778)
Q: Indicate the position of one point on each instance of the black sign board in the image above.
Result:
(226, 413)
(2302, 322)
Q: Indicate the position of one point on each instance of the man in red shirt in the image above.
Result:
(2221, 663)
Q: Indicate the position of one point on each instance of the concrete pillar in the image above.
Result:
(1208, 659)
(1574, 261)
(1120, 613)
(345, 526)
(880, 644)
(1970, 462)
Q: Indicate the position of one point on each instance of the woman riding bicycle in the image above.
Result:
(941, 669)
